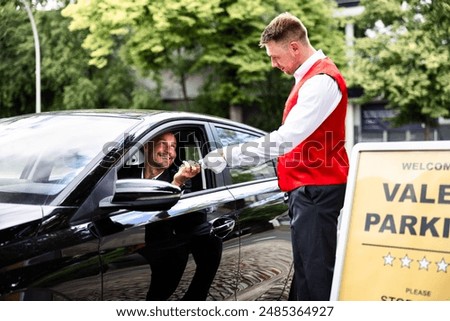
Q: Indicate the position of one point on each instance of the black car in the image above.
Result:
(72, 227)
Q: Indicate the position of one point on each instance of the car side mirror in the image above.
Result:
(142, 194)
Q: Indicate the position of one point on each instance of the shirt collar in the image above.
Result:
(304, 67)
(143, 174)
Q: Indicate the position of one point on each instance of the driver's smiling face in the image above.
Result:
(162, 151)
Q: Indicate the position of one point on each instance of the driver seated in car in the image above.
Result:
(160, 154)
(168, 264)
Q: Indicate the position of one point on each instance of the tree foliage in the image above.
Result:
(405, 57)
(243, 74)
(217, 38)
(151, 35)
(67, 80)
(99, 53)
(16, 51)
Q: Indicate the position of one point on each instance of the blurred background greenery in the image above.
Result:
(120, 54)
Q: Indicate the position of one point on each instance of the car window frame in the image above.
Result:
(207, 143)
(251, 131)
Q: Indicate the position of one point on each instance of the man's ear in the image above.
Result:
(295, 47)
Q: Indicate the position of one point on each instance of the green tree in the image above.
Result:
(243, 74)
(67, 80)
(218, 38)
(404, 58)
(156, 35)
(17, 68)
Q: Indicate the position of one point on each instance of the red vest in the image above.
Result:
(321, 159)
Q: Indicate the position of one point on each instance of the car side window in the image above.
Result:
(244, 173)
(189, 147)
(190, 143)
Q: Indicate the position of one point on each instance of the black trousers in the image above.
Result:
(168, 265)
(314, 212)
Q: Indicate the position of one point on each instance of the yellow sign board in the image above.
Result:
(394, 239)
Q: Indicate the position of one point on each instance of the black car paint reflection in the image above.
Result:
(89, 240)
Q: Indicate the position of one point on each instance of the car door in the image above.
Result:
(179, 254)
(266, 257)
(51, 174)
(54, 258)
(53, 262)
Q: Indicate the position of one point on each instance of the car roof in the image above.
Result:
(139, 114)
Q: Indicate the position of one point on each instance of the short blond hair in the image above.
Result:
(284, 27)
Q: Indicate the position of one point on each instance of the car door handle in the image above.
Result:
(221, 227)
(211, 209)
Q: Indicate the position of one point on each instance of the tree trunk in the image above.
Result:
(236, 113)
(184, 90)
(427, 132)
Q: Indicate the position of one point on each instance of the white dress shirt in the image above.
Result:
(317, 99)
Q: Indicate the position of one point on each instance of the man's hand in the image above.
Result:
(214, 161)
(186, 171)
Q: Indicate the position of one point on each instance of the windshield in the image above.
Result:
(41, 154)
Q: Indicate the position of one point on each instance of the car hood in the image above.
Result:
(14, 214)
